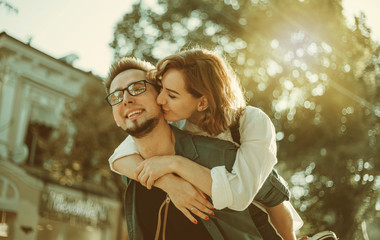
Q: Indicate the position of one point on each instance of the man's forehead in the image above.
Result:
(126, 77)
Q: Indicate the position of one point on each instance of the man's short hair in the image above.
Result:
(124, 64)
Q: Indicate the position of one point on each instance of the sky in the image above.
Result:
(85, 28)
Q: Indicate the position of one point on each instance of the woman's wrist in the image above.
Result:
(176, 163)
(165, 182)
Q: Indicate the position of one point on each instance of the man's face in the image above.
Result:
(137, 115)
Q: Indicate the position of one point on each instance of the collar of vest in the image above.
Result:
(184, 144)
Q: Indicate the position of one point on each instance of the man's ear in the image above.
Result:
(203, 104)
(114, 118)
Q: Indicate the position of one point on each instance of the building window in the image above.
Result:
(36, 139)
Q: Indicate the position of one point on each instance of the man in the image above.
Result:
(139, 115)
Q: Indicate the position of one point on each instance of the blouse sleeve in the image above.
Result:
(127, 147)
(254, 161)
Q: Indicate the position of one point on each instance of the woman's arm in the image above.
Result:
(125, 158)
(254, 161)
(127, 161)
(153, 168)
(234, 189)
(126, 165)
(183, 194)
(185, 197)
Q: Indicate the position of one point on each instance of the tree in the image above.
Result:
(78, 151)
(314, 75)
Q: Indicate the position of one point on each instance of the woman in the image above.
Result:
(201, 87)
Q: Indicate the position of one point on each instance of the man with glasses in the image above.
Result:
(134, 89)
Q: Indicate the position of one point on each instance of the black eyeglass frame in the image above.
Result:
(128, 91)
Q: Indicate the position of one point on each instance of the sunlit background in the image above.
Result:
(312, 65)
(85, 28)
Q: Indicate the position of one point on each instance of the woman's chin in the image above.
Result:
(169, 118)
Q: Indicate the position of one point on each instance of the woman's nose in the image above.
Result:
(161, 99)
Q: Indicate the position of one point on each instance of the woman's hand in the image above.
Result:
(153, 168)
(188, 199)
(148, 171)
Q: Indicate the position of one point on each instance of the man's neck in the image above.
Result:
(160, 141)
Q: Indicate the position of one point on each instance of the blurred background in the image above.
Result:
(312, 65)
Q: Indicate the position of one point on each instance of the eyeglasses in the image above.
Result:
(133, 89)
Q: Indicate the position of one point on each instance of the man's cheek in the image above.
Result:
(114, 117)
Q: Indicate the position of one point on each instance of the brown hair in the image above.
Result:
(123, 64)
(208, 74)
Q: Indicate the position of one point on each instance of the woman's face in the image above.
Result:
(177, 103)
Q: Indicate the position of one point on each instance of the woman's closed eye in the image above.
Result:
(169, 93)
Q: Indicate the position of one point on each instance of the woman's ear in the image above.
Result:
(203, 104)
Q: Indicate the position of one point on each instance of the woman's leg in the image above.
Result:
(282, 219)
(261, 220)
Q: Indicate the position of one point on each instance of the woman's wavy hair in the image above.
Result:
(208, 74)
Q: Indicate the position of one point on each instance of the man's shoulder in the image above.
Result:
(213, 142)
(202, 140)
(207, 151)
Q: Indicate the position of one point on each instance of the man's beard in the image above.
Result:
(141, 130)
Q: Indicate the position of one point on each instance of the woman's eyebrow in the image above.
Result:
(173, 91)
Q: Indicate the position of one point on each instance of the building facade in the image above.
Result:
(34, 88)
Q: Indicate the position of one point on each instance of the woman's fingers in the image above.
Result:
(145, 179)
(188, 215)
(203, 206)
(194, 204)
(138, 170)
(150, 182)
(144, 175)
(199, 213)
(142, 178)
(204, 201)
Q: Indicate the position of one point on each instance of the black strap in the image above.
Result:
(234, 128)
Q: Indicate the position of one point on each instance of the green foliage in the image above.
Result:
(315, 76)
(79, 151)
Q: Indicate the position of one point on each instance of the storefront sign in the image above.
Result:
(66, 208)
